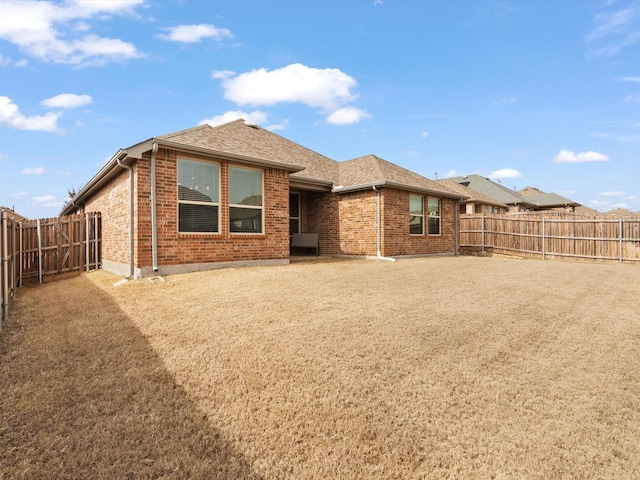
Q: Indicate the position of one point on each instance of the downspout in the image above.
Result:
(131, 223)
(379, 222)
(154, 223)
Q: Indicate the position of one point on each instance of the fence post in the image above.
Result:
(95, 239)
(39, 252)
(543, 232)
(4, 280)
(87, 236)
(13, 257)
(620, 240)
(482, 228)
(20, 257)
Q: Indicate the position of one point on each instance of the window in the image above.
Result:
(198, 196)
(294, 213)
(245, 200)
(416, 215)
(434, 216)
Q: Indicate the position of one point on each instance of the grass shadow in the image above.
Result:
(91, 399)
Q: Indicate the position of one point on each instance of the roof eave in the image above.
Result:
(411, 188)
(104, 175)
(310, 184)
(138, 150)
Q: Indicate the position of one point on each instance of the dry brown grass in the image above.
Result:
(426, 368)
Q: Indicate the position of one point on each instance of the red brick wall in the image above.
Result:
(396, 238)
(347, 224)
(320, 212)
(113, 202)
(184, 248)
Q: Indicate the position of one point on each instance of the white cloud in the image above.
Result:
(10, 115)
(328, 89)
(611, 194)
(19, 194)
(43, 199)
(628, 79)
(57, 32)
(614, 30)
(257, 117)
(33, 171)
(424, 135)
(635, 98)
(67, 100)
(195, 33)
(48, 201)
(568, 156)
(6, 61)
(347, 115)
(506, 100)
(505, 173)
(222, 74)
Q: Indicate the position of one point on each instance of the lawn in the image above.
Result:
(441, 367)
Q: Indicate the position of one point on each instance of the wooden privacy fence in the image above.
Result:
(34, 250)
(553, 236)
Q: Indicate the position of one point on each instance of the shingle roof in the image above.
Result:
(252, 141)
(13, 214)
(371, 169)
(491, 189)
(620, 212)
(252, 144)
(473, 196)
(511, 197)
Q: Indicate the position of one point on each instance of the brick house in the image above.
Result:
(211, 197)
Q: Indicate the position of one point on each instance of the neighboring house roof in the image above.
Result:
(472, 195)
(490, 189)
(12, 214)
(370, 170)
(511, 197)
(582, 210)
(530, 191)
(543, 199)
(620, 212)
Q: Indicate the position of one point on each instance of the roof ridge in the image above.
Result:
(167, 136)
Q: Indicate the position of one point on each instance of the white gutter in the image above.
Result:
(379, 256)
(400, 186)
(154, 223)
(131, 218)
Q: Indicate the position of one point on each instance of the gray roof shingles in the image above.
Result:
(238, 138)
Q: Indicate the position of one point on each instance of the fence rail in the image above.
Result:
(34, 250)
(553, 236)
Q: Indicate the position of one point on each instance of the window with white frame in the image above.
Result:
(198, 196)
(245, 200)
(433, 205)
(294, 213)
(416, 214)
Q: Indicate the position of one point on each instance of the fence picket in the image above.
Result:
(45, 248)
(553, 236)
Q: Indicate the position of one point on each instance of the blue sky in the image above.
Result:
(530, 93)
